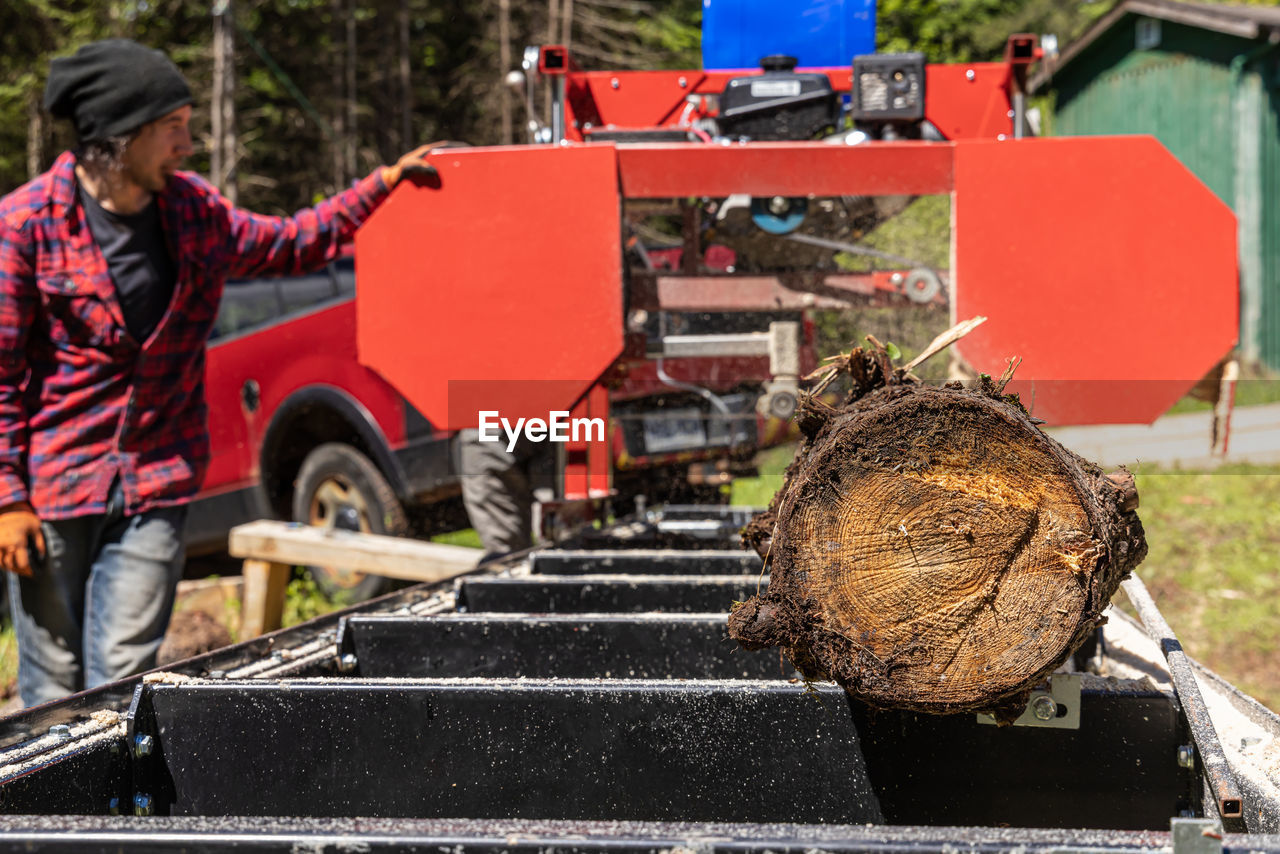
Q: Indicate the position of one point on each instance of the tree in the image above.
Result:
(327, 89)
(976, 30)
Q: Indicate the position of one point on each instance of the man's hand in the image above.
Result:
(19, 526)
(412, 165)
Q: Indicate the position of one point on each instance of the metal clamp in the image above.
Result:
(782, 392)
(344, 649)
(146, 760)
(1056, 706)
(1195, 836)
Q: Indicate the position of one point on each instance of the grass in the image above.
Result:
(758, 491)
(1213, 566)
(1255, 389)
(466, 537)
(8, 660)
(304, 600)
(921, 233)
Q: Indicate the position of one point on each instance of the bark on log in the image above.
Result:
(932, 549)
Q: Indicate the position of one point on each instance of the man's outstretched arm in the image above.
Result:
(313, 236)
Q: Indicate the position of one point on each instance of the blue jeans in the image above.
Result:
(99, 608)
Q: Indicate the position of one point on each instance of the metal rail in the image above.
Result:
(1209, 748)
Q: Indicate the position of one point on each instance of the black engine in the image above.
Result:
(779, 104)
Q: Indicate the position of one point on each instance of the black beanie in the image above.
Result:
(113, 87)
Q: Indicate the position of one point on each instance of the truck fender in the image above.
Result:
(352, 412)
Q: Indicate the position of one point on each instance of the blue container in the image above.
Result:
(819, 33)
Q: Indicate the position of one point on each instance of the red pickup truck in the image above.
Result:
(301, 430)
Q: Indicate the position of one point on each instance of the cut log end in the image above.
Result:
(934, 550)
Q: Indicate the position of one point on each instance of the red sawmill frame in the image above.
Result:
(966, 101)
(1103, 263)
(1107, 247)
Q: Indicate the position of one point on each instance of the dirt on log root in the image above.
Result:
(932, 549)
(191, 633)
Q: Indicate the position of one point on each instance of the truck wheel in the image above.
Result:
(340, 487)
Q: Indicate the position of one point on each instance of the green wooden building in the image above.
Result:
(1204, 80)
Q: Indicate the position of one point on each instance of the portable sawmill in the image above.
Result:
(584, 697)
(1087, 253)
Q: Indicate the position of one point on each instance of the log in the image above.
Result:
(932, 549)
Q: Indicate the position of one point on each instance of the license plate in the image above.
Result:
(674, 430)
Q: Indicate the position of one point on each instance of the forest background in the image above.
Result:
(297, 98)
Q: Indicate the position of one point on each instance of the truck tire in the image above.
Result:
(340, 487)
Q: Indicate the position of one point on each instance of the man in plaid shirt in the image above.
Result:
(112, 265)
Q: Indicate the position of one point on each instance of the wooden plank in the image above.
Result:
(393, 557)
(264, 586)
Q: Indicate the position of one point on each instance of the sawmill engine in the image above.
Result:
(887, 98)
(779, 104)
(887, 101)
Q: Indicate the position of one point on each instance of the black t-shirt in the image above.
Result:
(139, 261)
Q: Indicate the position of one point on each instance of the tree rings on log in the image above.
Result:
(932, 549)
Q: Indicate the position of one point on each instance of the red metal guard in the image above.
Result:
(1101, 261)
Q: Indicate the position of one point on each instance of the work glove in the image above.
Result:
(19, 534)
(413, 165)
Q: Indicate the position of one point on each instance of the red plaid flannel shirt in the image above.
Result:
(81, 401)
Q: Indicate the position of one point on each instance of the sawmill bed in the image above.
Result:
(550, 704)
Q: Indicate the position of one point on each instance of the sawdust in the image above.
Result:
(166, 678)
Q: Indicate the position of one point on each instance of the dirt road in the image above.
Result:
(1179, 441)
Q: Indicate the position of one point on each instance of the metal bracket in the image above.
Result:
(729, 344)
(782, 392)
(702, 528)
(1195, 836)
(152, 788)
(344, 649)
(1054, 707)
